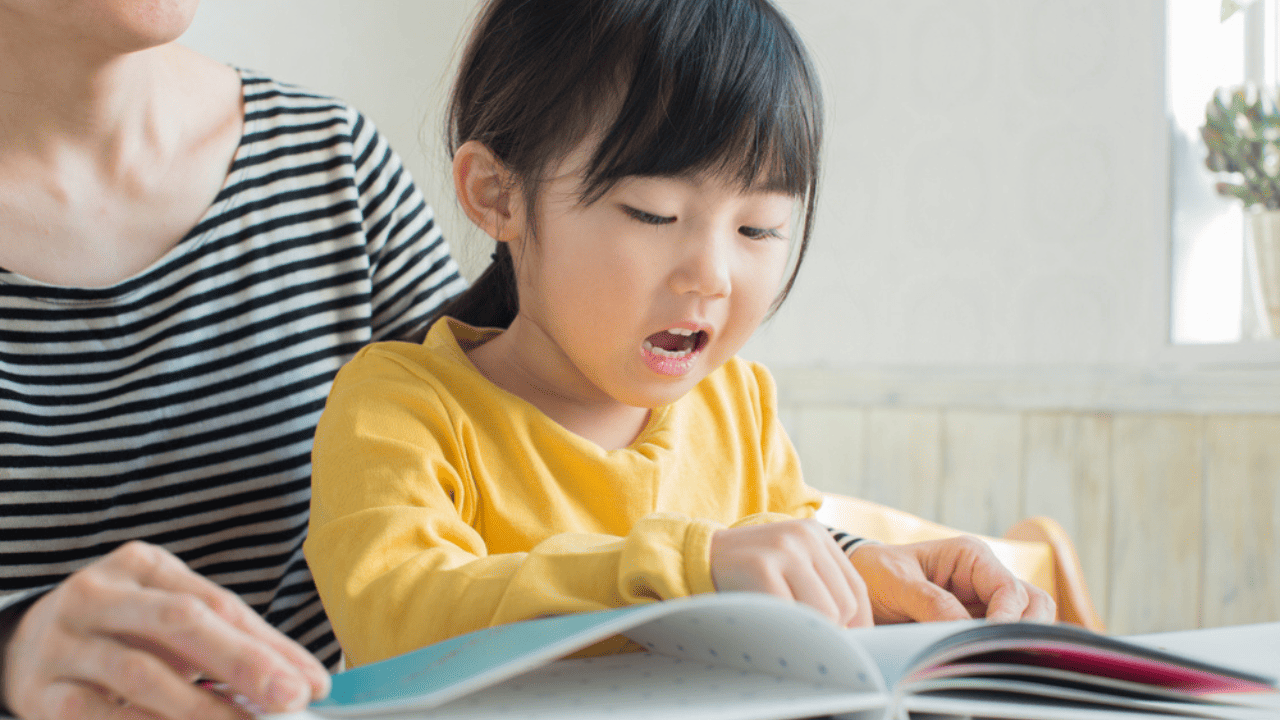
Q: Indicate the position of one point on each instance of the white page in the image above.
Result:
(752, 633)
(895, 647)
(645, 685)
(800, 644)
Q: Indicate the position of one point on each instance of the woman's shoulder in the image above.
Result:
(275, 108)
(269, 91)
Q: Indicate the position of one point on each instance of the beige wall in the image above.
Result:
(1175, 514)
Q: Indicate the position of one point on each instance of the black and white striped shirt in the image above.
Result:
(178, 406)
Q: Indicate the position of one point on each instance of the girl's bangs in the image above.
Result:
(735, 98)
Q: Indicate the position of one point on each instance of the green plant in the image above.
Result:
(1242, 134)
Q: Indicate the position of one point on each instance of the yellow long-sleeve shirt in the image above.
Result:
(442, 504)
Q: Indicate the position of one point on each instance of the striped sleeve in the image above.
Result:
(412, 267)
(848, 543)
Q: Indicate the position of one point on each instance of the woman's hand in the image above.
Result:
(952, 579)
(127, 636)
(795, 559)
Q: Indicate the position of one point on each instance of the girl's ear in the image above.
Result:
(484, 190)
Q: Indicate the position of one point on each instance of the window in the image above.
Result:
(1211, 290)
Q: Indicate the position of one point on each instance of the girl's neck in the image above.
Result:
(592, 416)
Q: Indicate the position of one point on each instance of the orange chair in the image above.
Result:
(1036, 549)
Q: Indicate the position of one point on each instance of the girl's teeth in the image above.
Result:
(660, 352)
(680, 331)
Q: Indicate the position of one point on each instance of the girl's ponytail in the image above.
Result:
(491, 301)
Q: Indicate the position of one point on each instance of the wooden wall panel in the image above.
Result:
(981, 470)
(1157, 524)
(1067, 476)
(1242, 523)
(1176, 517)
(903, 460)
(830, 442)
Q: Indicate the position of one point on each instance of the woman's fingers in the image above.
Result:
(185, 635)
(948, 579)
(899, 589)
(155, 568)
(128, 677)
(126, 636)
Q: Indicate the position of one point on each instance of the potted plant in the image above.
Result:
(1242, 135)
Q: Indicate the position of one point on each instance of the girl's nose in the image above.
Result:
(703, 268)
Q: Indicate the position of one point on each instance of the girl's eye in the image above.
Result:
(647, 218)
(758, 233)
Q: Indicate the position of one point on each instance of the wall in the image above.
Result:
(995, 189)
(980, 329)
(1175, 513)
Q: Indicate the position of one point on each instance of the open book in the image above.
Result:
(745, 656)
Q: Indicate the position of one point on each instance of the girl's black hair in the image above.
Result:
(672, 87)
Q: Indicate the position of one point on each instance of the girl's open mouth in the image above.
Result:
(671, 352)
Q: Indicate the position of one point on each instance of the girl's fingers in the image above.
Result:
(142, 681)
(862, 615)
(795, 559)
(807, 587)
(835, 572)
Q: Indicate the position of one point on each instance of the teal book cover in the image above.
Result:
(453, 668)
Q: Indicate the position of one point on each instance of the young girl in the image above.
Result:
(577, 434)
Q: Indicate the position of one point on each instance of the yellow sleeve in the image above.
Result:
(393, 547)
(789, 496)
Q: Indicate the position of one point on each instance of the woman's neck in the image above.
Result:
(105, 162)
(109, 107)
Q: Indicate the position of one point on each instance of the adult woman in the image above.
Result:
(189, 253)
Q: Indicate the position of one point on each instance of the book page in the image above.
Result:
(1248, 648)
(647, 685)
(742, 631)
(761, 634)
(1072, 648)
(896, 648)
(996, 706)
(1057, 671)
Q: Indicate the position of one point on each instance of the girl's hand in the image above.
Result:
(795, 559)
(127, 636)
(952, 579)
